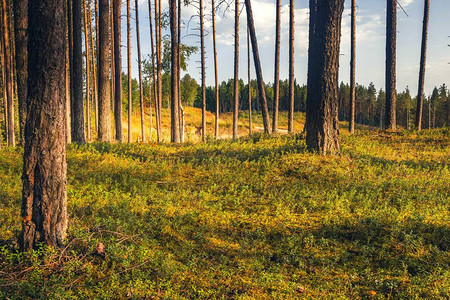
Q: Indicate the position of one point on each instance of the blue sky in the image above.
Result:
(370, 41)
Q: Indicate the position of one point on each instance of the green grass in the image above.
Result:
(257, 218)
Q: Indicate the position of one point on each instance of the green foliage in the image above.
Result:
(256, 218)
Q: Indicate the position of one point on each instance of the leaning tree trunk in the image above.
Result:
(423, 57)
(202, 49)
(21, 38)
(322, 124)
(258, 69)
(250, 125)
(352, 69)
(104, 115)
(155, 95)
(117, 71)
(236, 70)
(291, 66)
(44, 196)
(276, 80)
(77, 105)
(141, 92)
(174, 109)
(130, 98)
(391, 44)
(216, 76)
(7, 64)
(88, 75)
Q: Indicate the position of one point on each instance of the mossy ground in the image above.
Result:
(256, 218)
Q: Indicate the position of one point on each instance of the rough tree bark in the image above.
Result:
(118, 70)
(202, 55)
(291, 66)
(77, 105)
(88, 74)
(21, 38)
(352, 69)
(174, 109)
(158, 36)
(44, 202)
(141, 91)
(104, 115)
(130, 99)
(423, 58)
(276, 80)
(250, 108)
(155, 94)
(391, 44)
(258, 69)
(180, 106)
(236, 70)
(322, 125)
(94, 69)
(112, 59)
(216, 75)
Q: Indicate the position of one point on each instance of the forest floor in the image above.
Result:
(255, 218)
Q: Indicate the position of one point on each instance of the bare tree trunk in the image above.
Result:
(88, 78)
(130, 99)
(276, 81)
(104, 116)
(291, 66)
(141, 92)
(175, 125)
(180, 106)
(67, 107)
(352, 69)
(258, 69)
(44, 196)
(322, 124)
(423, 58)
(7, 63)
(94, 70)
(216, 75)
(21, 37)
(250, 125)
(391, 44)
(158, 67)
(202, 49)
(155, 93)
(112, 67)
(77, 105)
(118, 70)
(236, 70)
(5, 105)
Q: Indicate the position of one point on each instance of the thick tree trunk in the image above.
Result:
(104, 120)
(423, 58)
(8, 85)
(21, 38)
(291, 66)
(94, 70)
(77, 105)
(88, 74)
(155, 94)
(202, 49)
(67, 119)
(352, 69)
(141, 91)
(175, 125)
(391, 44)
(322, 125)
(130, 98)
(118, 70)
(250, 121)
(258, 69)
(216, 75)
(44, 202)
(276, 80)
(236, 70)
(112, 59)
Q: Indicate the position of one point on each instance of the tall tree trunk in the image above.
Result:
(77, 105)
(236, 70)
(5, 114)
(202, 49)
(352, 69)
(250, 121)
(104, 120)
(175, 125)
(158, 34)
(276, 80)
(118, 70)
(94, 69)
(21, 38)
(291, 66)
(88, 73)
(130, 98)
(180, 106)
(322, 124)
(44, 196)
(7, 63)
(141, 91)
(67, 119)
(423, 58)
(155, 93)
(258, 69)
(391, 45)
(111, 50)
(216, 75)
